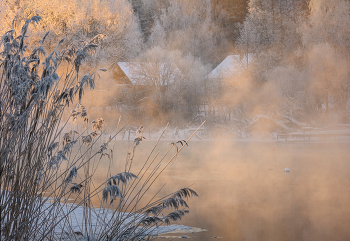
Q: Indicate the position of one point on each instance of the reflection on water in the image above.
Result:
(245, 193)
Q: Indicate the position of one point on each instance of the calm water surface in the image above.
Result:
(246, 195)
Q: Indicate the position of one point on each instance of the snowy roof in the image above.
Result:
(231, 65)
(148, 73)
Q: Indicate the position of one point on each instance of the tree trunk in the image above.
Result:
(343, 108)
(326, 114)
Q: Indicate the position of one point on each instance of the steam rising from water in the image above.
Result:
(245, 194)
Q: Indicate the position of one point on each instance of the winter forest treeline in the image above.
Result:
(295, 59)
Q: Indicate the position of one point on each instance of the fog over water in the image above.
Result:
(254, 76)
(246, 195)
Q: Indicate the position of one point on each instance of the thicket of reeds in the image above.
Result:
(47, 167)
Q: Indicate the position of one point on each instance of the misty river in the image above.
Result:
(244, 194)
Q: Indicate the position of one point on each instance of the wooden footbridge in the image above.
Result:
(338, 132)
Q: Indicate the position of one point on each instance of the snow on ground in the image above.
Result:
(101, 217)
(169, 134)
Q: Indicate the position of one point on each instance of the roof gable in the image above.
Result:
(120, 76)
(232, 65)
(148, 73)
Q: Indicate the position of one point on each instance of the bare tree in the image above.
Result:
(174, 84)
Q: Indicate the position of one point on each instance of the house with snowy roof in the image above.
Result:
(225, 74)
(137, 84)
(230, 67)
(148, 73)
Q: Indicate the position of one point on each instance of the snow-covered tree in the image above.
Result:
(302, 58)
(326, 35)
(270, 30)
(79, 20)
(228, 13)
(146, 10)
(188, 26)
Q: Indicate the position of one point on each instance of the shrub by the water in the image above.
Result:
(40, 159)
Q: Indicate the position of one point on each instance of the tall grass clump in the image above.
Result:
(47, 167)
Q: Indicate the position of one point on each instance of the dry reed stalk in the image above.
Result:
(39, 161)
